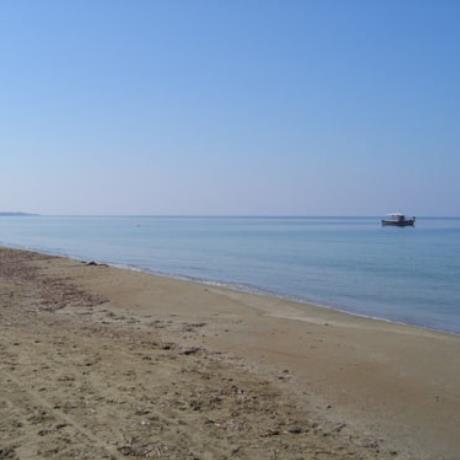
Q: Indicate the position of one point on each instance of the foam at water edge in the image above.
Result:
(236, 287)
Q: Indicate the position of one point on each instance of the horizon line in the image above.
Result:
(286, 216)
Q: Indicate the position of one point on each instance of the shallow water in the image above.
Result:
(411, 275)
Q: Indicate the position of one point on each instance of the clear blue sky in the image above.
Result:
(230, 107)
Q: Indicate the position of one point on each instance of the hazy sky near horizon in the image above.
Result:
(230, 107)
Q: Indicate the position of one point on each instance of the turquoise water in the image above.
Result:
(411, 275)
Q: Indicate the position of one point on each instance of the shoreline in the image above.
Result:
(252, 290)
(235, 287)
(227, 368)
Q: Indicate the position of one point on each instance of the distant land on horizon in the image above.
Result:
(17, 214)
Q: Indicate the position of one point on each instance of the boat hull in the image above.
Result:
(404, 223)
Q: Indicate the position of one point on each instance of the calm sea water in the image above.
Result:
(410, 275)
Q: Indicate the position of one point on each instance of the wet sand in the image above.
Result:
(100, 362)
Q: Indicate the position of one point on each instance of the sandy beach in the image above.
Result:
(100, 362)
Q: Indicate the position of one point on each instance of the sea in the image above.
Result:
(406, 275)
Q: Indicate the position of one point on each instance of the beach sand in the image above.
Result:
(100, 362)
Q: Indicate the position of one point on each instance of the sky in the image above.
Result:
(237, 107)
